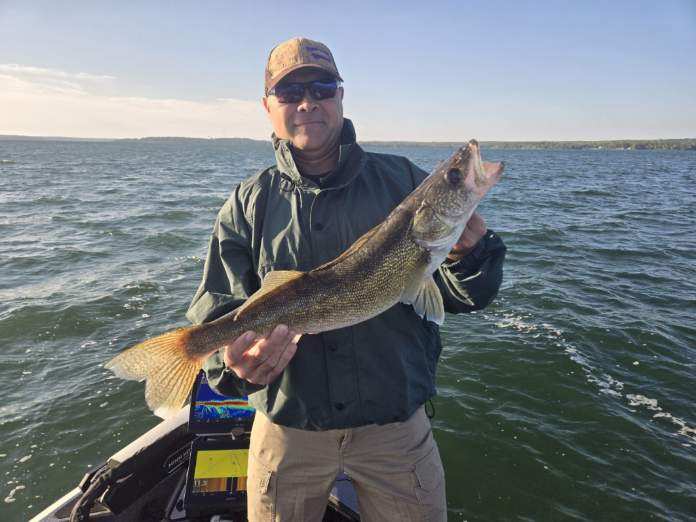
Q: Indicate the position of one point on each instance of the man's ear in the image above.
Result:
(264, 102)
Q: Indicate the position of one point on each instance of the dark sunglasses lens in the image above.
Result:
(323, 90)
(290, 92)
(294, 92)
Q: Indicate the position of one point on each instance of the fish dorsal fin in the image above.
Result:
(273, 280)
(352, 249)
(426, 300)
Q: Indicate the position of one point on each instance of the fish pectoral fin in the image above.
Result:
(426, 300)
(273, 280)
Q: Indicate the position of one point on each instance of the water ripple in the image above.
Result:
(571, 397)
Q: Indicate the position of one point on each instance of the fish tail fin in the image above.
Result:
(166, 366)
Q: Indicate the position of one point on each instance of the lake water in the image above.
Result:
(570, 398)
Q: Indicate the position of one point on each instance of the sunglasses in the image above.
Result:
(294, 92)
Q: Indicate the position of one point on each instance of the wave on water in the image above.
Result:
(169, 240)
(11, 498)
(57, 199)
(578, 405)
(205, 170)
(592, 192)
(605, 383)
(651, 404)
(7, 162)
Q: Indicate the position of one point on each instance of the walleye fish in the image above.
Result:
(393, 262)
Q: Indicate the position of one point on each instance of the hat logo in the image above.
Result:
(318, 53)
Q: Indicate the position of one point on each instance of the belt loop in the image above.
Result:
(430, 414)
(347, 436)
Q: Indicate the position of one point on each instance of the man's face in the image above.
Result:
(311, 125)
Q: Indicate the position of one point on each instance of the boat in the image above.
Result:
(167, 473)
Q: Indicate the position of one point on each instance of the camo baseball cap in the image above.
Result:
(297, 53)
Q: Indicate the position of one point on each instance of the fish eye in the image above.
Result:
(454, 176)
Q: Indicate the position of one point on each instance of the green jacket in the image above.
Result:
(378, 371)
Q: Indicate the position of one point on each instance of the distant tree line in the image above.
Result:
(680, 144)
(676, 144)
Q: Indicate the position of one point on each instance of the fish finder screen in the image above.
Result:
(220, 471)
(212, 412)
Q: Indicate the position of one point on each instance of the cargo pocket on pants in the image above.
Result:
(430, 486)
(276, 494)
(262, 491)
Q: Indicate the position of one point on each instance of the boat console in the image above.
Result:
(191, 467)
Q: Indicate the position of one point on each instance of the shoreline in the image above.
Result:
(656, 144)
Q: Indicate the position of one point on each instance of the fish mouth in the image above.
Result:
(461, 182)
(485, 173)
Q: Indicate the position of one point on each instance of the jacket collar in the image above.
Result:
(350, 157)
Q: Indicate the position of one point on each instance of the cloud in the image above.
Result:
(52, 79)
(16, 69)
(50, 102)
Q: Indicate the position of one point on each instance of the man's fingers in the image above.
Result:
(262, 359)
(477, 224)
(474, 230)
(234, 353)
(285, 358)
(267, 346)
(279, 335)
(269, 369)
(279, 346)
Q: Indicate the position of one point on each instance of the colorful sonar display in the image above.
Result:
(215, 413)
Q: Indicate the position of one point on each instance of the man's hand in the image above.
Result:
(261, 360)
(474, 231)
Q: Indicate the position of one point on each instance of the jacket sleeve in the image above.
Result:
(228, 280)
(472, 282)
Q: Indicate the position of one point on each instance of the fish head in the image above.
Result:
(447, 198)
(460, 182)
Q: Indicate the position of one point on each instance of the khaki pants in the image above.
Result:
(395, 469)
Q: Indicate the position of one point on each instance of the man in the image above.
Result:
(348, 400)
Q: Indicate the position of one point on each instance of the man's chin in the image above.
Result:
(306, 143)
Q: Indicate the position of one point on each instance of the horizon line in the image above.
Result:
(443, 142)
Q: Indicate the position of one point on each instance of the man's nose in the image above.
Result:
(307, 104)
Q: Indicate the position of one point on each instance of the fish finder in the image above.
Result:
(213, 413)
(216, 480)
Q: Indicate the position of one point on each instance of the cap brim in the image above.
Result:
(276, 80)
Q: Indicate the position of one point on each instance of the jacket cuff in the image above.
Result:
(471, 262)
(472, 282)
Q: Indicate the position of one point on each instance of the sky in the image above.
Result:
(417, 71)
